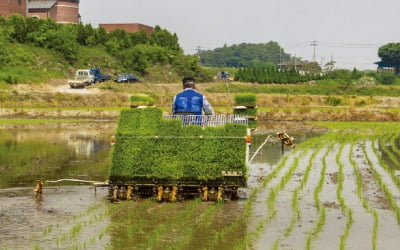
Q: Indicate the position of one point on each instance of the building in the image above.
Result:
(128, 27)
(62, 11)
(385, 67)
(9, 7)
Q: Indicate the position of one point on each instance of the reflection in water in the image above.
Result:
(49, 152)
(269, 155)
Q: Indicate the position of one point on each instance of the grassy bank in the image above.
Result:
(108, 99)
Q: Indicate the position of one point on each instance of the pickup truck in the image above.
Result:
(83, 77)
(98, 76)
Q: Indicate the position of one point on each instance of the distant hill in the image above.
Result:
(245, 55)
(35, 50)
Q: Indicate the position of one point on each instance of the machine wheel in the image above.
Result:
(227, 195)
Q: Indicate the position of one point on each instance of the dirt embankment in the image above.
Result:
(57, 100)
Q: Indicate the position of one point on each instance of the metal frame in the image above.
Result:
(209, 120)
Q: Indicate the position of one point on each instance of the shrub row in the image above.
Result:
(149, 146)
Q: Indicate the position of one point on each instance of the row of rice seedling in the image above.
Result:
(155, 235)
(297, 211)
(76, 232)
(390, 169)
(283, 173)
(267, 187)
(188, 225)
(386, 142)
(345, 209)
(320, 209)
(383, 183)
(365, 203)
(349, 165)
(395, 142)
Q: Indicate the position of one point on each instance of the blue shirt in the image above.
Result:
(189, 100)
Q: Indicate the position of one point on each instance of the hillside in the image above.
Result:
(37, 50)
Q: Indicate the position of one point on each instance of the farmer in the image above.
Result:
(189, 101)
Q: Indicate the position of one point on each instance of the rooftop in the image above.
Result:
(43, 4)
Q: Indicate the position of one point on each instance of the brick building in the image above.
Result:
(9, 7)
(128, 27)
(62, 11)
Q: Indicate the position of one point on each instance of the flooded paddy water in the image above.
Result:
(328, 192)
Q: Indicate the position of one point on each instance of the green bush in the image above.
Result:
(386, 79)
(149, 146)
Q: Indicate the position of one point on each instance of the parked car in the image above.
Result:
(127, 78)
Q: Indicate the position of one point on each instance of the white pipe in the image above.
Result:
(258, 149)
(77, 180)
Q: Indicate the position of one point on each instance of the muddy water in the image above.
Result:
(74, 216)
(52, 152)
(56, 151)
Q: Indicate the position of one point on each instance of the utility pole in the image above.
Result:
(198, 50)
(315, 44)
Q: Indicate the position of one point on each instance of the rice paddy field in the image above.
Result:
(335, 190)
(339, 190)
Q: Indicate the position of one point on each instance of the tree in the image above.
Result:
(390, 55)
(62, 41)
(18, 27)
(244, 55)
(4, 51)
(164, 38)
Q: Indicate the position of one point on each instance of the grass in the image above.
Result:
(29, 64)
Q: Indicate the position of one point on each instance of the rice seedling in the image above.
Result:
(295, 206)
(75, 231)
(318, 227)
(383, 186)
(359, 190)
(47, 230)
(395, 145)
(383, 143)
